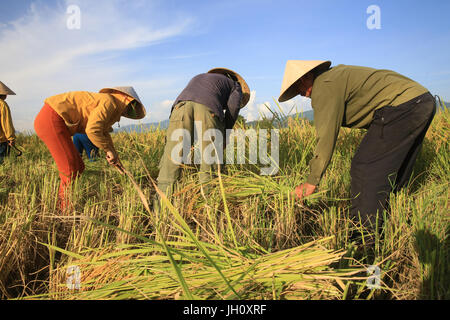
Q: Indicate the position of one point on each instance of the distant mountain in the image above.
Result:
(144, 127)
(309, 115)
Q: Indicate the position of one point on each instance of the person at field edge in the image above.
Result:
(395, 110)
(7, 132)
(82, 143)
(212, 99)
(92, 113)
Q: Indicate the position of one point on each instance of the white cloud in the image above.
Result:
(249, 110)
(159, 111)
(42, 57)
(166, 104)
(296, 105)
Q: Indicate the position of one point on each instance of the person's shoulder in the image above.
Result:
(339, 72)
(200, 76)
(215, 76)
(207, 79)
(99, 97)
(69, 94)
(87, 93)
(335, 71)
(352, 69)
(328, 81)
(4, 106)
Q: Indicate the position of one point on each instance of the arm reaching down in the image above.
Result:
(233, 106)
(98, 128)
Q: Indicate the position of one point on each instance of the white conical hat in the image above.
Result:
(295, 69)
(129, 91)
(4, 90)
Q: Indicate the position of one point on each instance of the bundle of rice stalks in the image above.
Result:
(145, 272)
(242, 185)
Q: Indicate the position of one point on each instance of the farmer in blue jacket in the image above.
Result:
(82, 143)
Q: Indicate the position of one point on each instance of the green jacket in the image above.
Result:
(348, 96)
(7, 132)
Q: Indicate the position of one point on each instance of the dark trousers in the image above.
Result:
(5, 150)
(385, 158)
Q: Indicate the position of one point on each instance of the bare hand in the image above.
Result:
(112, 158)
(12, 143)
(304, 190)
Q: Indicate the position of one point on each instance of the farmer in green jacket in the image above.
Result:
(396, 110)
(211, 100)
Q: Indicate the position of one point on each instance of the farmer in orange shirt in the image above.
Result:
(65, 114)
(7, 132)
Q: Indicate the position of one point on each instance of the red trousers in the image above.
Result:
(52, 130)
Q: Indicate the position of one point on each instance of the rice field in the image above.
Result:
(245, 239)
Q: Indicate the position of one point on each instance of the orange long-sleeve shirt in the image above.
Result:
(7, 131)
(90, 113)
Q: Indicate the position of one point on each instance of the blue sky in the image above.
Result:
(158, 46)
